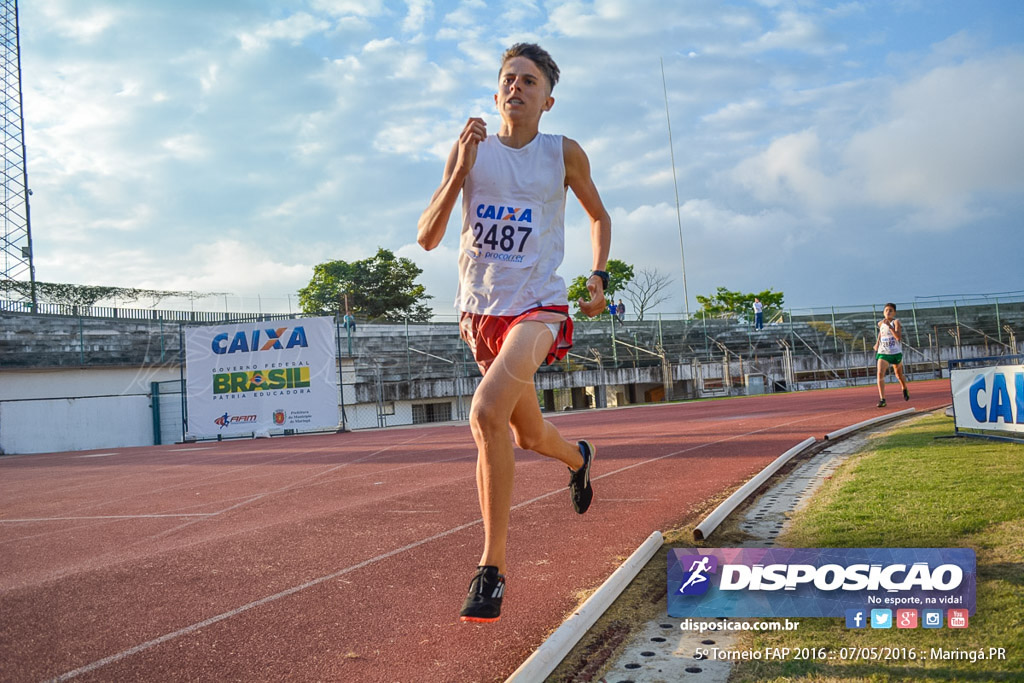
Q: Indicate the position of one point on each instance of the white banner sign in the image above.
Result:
(989, 398)
(256, 377)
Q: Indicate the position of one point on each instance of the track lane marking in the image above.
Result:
(366, 563)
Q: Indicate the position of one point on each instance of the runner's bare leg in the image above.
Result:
(502, 393)
(901, 376)
(883, 367)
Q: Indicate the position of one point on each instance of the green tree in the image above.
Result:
(619, 275)
(725, 303)
(377, 288)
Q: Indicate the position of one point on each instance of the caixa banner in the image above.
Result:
(816, 582)
(988, 398)
(246, 378)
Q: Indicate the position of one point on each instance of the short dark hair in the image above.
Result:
(889, 305)
(536, 54)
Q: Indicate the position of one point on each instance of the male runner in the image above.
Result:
(889, 351)
(514, 307)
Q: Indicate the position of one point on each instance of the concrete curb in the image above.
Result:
(866, 423)
(711, 522)
(552, 651)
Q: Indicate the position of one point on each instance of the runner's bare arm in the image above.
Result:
(578, 178)
(434, 219)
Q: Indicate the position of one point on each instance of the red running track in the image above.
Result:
(346, 557)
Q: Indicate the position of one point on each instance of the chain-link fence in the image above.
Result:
(408, 373)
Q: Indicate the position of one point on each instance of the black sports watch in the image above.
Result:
(604, 278)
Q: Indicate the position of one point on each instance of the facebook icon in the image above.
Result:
(856, 618)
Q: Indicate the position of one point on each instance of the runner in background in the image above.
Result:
(889, 351)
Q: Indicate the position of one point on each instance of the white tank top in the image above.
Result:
(887, 341)
(513, 228)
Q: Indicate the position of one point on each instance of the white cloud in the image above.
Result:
(294, 29)
(186, 147)
(951, 137)
(735, 113)
(440, 276)
(465, 15)
(71, 21)
(208, 79)
(787, 172)
(519, 11)
(342, 8)
(419, 12)
(796, 31)
(202, 269)
(420, 138)
(380, 45)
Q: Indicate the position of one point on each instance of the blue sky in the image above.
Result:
(841, 152)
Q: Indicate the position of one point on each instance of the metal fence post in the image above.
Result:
(341, 369)
(154, 390)
(792, 334)
(615, 347)
(999, 326)
(956, 317)
(835, 332)
(181, 377)
(408, 354)
(707, 348)
(917, 335)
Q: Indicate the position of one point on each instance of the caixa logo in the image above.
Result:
(259, 340)
(993, 403)
(504, 213)
(226, 420)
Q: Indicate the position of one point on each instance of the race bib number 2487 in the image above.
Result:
(500, 234)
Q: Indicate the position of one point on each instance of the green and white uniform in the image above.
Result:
(889, 347)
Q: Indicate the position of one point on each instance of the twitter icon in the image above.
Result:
(881, 618)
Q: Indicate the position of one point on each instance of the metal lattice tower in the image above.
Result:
(16, 246)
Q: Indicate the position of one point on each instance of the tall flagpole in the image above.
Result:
(675, 186)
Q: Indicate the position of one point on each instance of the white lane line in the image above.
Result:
(71, 519)
(287, 487)
(252, 605)
(99, 455)
(630, 500)
(365, 563)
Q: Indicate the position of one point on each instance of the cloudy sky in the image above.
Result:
(844, 153)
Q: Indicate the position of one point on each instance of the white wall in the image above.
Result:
(44, 411)
(71, 409)
(78, 382)
(75, 424)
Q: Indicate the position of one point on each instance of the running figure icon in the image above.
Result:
(697, 571)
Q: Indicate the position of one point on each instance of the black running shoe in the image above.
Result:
(881, 403)
(906, 395)
(483, 604)
(579, 480)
